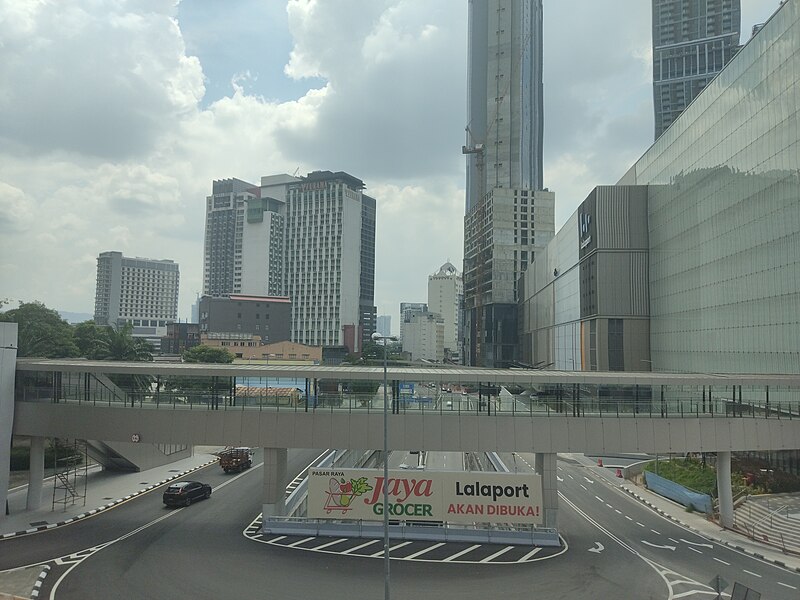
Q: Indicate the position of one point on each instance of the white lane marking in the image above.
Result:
(695, 550)
(570, 476)
(720, 560)
(608, 505)
(658, 546)
(673, 540)
(526, 462)
(588, 480)
(334, 542)
(598, 549)
(639, 524)
(278, 539)
(496, 554)
(424, 550)
(585, 489)
(627, 517)
(596, 524)
(618, 511)
(654, 531)
(786, 585)
(380, 552)
(359, 547)
(529, 554)
(298, 542)
(599, 498)
(751, 573)
(462, 553)
(559, 478)
(696, 543)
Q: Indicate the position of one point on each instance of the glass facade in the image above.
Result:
(724, 216)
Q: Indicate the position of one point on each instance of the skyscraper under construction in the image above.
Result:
(509, 214)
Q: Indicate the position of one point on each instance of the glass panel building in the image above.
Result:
(724, 216)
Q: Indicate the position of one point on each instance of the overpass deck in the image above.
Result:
(447, 392)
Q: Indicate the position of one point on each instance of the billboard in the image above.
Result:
(452, 496)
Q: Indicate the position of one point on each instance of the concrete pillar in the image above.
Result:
(8, 367)
(36, 474)
(724, 489)
(545, 465)
(274, 483)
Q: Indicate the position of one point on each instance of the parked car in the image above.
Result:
(183, 493)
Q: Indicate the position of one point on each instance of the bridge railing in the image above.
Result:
(217, 393)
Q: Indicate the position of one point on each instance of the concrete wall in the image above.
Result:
(434, 432)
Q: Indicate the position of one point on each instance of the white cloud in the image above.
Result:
(105, 80)
(105, 145)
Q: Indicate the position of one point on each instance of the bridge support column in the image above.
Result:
(36, 474)
(8, 367)
(724, 489)
(274, 504)
(545, 465)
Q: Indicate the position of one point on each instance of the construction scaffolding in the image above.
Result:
(70, 471)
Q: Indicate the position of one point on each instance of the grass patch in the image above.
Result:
(688, 472)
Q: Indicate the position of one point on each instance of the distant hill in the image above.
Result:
(75, 317)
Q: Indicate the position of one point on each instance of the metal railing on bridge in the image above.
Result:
(255, 393)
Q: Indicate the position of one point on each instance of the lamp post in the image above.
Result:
(384, 338)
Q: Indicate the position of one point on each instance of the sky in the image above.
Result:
(116, 115)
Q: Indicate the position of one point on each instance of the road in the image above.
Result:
(617, 549)
(684, 560)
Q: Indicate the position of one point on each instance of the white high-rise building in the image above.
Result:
(225, 216)
(407, 311)
(323, 256)
(445, 297)
(423, 337)
(309, 238)
(140, 291)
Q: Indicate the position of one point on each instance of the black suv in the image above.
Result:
(183, 493)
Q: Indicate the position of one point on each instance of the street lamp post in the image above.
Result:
(384, 338)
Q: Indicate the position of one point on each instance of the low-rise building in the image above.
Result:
(268, 317)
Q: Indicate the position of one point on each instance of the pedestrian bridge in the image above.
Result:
(436, 409)
(136, 405)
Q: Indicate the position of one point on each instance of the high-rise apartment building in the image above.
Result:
(445, 297)
(692, 41)
(309, 238)
(509, 216)
(225, 214)
(328, 278)
(141, 292)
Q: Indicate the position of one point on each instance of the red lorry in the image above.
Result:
(236, 460)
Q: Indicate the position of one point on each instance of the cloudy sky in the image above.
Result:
(116, 115)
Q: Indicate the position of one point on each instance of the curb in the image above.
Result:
(704, 534)
(39, 581)
(104, 507)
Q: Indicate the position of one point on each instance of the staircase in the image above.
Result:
(771, 519)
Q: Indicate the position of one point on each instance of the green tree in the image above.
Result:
(119, 344)
(208, 354)
(91, 340)
(42, 332)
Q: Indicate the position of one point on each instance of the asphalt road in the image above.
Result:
(617, 549)
(684, 560)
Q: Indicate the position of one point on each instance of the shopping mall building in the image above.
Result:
(691, 262)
